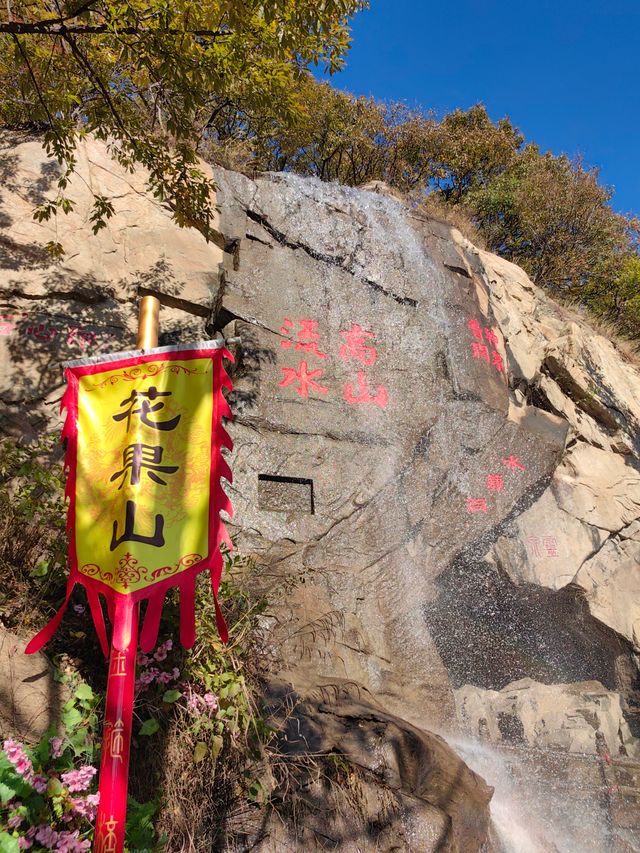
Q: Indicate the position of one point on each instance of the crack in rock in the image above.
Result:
(333, 260)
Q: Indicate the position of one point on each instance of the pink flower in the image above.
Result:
(193, 702)
(211, 702)
(143, 660)
(18, 757)
(56, 747)
(168, 644)
(164, 678)
(15, 820)
(25, 844)
(39, 783)
(161, 654)
(46, 836)
(148, 676)
(79, 780)
(175, 673)
(69, 842)
(86, 807)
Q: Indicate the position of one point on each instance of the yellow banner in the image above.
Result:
(143, 472)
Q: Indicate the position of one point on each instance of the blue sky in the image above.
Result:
(567, 73)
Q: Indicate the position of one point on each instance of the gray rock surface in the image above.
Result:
(566, 717)
(424, 519)
(397, 490)
(412, 790)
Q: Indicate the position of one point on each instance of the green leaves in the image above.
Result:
(200, 752)
(8, 844)
(170, 696)
(84, 694)
(71, 716)
(149, 727)
(146, 74)
(101, 211)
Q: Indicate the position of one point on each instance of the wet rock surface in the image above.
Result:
(435, 465)
(410, 790)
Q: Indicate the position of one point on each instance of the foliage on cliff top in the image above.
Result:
(547, 213)
(160, 82)
(146, 75)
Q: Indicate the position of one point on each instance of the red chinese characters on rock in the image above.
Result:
(541, 547)
(357, 347)
(513, 463)
(305, 378)
(482, 337)
(480, 351)
(46, 332)
(476, 505)
(307, 337)
(380, 398)
(494, 483)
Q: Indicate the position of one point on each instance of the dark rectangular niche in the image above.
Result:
(285, 494)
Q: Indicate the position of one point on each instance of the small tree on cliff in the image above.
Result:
(148, 75)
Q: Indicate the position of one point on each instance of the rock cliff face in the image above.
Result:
(438, 464)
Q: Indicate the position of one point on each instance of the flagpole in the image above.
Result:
(116, 739)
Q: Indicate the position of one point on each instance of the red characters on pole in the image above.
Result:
(117, 664)
(106, 839)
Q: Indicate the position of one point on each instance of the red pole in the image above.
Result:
(116, 746)
(116, 739)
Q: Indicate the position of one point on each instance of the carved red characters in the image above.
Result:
(479, 349)
(357, 347)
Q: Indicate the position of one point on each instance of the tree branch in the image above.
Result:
(93, 75)
(57, 27)
(34, 80)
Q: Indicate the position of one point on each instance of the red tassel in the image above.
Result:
(151, 626)
(98, 618)
(43, 636)
(188, 612)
